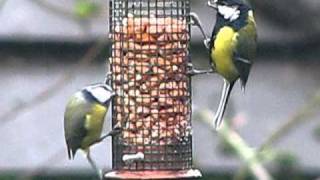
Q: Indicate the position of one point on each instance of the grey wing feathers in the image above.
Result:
(74, 121)
(245, 52)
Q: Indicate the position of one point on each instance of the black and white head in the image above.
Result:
(102, 93)
(230, 10)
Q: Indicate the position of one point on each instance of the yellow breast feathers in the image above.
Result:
(222, 53)
(93, 124)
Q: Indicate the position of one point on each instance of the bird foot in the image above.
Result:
(108, 78)
(100, 174)
(193, 71)
(113, 132)
(206, 43)
(94, 166)
(212, 5)
(195, 21)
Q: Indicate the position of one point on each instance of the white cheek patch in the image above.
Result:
(100, 94)
(229, 13)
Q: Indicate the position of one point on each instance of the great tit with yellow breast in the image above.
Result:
(84, 118)
(232, 46)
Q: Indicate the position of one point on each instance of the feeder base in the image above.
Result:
(182, 174)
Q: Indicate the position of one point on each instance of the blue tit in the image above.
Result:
(232, 46)
(84, 118)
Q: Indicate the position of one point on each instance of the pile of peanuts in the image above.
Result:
(149, 72)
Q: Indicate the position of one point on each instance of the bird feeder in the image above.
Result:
(149, 65)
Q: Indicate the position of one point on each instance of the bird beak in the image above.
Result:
(213, 5)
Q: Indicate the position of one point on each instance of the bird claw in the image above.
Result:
(115, 131)
(94, 165)
(100, 174)
(212, 5)
(196, 22)
(193, 72)
(108, 78)
(206, 43)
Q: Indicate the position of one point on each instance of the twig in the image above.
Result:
(53, 89)
(247, 154)
(2, 3)
(55, 9)
(242, 173)
(83, 23)
(302, 115)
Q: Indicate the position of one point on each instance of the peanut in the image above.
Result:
(149, 58)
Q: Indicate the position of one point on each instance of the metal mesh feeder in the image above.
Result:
(149, 64)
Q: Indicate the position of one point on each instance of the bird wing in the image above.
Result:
(245, 50)
(74, 123)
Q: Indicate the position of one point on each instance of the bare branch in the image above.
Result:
(54, 9)
(247, 154)
(303, 115)
(54, 88)
(2, 3)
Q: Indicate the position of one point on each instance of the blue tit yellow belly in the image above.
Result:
(222, 53)
(93, 124)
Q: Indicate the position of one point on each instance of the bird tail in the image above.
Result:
(227, 88)
(69, 154)
(71, 150)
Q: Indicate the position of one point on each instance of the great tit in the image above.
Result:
(84, 119)
(232, 46)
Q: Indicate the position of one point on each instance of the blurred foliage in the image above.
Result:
(286, 161)
(316, 133)
(286, 166)
(58, 176)
(226, 148)
(2, 2)
(86, 9)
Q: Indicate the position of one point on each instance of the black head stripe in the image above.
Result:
(241, 3)
(88, 96)
(232, 2)
(236, 24)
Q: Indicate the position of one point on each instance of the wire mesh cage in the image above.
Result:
(150, 56)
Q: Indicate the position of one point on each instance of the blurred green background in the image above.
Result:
(50, 48)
